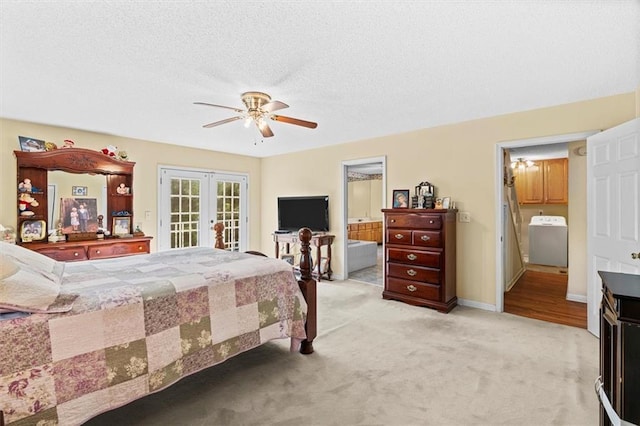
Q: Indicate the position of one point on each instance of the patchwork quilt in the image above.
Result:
(139, 324)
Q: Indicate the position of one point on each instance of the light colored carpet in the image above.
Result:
(381, 362)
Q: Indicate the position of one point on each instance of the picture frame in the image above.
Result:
(438, 204)
(121, 225)
(31, 145)
(79, 215)
(79, 191)
(289, 258)
(446, 202)
(401, 199)
(33, 230)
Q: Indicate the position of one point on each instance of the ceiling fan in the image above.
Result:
(259, 108)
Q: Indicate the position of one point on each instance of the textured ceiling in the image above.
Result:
(359, 69)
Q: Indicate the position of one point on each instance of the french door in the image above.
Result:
(192, 201)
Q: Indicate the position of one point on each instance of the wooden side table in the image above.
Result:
(317, 241)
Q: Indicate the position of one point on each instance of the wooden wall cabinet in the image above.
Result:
(546, 182)
(620, 345)
(420, 257)
(365, 231)
(36, 165)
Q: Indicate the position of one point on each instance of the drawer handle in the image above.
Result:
(75, 253)
(425, 238)
(411, 272)
(97, 251)
(399, 236)
(140, 248)
(431, 221)
(412, 287)
(392, 220)
(412, 256)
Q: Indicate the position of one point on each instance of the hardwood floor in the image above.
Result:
(542, 296)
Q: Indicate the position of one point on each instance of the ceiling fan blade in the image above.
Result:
(219, 106)
(274, 106)
(264, 129)
(296, 121)
(225, 121)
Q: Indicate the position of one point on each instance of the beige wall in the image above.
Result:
(459, 159)
(147, 155)
(577, 280)
(359, 199)
(365, 199)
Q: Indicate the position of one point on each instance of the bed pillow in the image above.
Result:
(25, 289)
(35, 261)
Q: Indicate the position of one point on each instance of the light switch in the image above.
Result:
(464, 217)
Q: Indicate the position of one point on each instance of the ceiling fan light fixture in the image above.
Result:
(259, 108)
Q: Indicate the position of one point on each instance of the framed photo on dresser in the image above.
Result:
(401, 199)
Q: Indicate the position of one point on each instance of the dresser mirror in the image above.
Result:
(66, 186)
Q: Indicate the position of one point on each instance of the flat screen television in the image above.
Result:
(300, 212)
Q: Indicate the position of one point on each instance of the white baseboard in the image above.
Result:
(478, 305)
(577, 298)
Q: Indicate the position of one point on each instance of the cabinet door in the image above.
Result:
(556, 179)
(530, 184)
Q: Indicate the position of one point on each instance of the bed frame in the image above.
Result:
(305, 281)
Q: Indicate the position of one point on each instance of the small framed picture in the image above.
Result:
(446, 202)
(400, 198)
(31, 145)
(79, 191)
(288, 258)
(33, 230)
(121, 225)
(438, 204)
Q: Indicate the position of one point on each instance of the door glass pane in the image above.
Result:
(185, 212)
(228, 213)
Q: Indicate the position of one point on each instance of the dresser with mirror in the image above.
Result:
(76, 204)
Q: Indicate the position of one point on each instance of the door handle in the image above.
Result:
(635, 255)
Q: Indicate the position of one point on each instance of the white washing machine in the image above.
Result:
(548, 241)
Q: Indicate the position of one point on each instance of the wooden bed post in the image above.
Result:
(218, 228)
(308, 287)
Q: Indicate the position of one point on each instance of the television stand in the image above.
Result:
(316, 241)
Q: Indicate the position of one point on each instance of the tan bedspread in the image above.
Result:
(141, 323)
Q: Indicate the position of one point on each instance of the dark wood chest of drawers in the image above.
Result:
(620, 345)
(420, 257)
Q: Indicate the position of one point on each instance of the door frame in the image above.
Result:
(499, 191)
(345, 196)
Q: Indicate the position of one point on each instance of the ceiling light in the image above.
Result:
(522, 164)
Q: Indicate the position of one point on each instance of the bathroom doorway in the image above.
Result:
(364, 189)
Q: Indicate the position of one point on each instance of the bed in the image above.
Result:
(135, 325)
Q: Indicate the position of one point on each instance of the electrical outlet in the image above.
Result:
(464, 217)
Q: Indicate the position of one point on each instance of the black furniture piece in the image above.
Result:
(619, 382)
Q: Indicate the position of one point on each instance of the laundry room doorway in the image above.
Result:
(539, 212)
